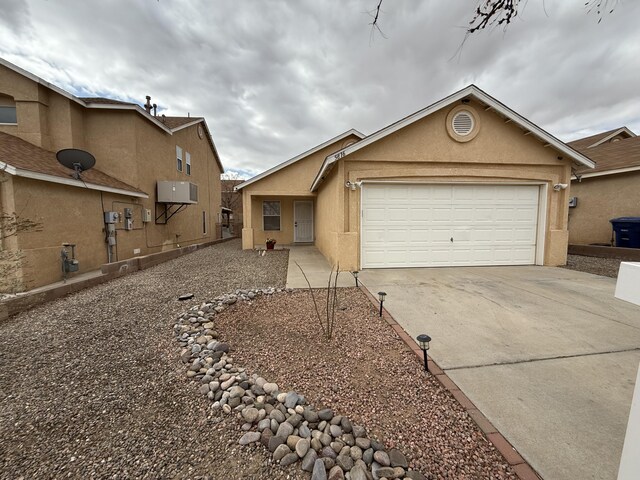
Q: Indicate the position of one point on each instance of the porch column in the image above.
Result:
(247, 222)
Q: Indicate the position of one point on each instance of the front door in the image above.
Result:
(303, 221)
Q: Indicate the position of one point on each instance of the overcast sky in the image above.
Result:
(275, 78)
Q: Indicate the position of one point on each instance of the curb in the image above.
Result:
(520, 466)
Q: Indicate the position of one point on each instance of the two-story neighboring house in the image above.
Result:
(155, 185)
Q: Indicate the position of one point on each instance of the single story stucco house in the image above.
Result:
(464, 181)
(608, 191)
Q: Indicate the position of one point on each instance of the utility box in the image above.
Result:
(110, 217)
(146, 215)
(627, 230)
(177, 192)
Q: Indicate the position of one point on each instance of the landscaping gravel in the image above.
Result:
(607, 267)
(92, 385)
(365, 373)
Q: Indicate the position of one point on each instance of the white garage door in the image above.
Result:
(446, 225)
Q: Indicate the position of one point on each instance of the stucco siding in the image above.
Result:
(291, 183)
(424, 152)
(599, 200)
(329, 214)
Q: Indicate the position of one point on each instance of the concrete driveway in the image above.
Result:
(547, 354)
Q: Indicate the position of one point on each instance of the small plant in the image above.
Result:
(327, 320)
(271, 241)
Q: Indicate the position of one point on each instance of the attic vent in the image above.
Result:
(463, 123)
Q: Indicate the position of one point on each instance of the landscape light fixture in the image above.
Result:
(423, 341)
(381, 296)
(355, 275)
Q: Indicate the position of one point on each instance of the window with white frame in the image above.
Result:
(179, 158)
(188, 162)
(271, 215)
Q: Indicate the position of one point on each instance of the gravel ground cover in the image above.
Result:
(607, 267)
(92, 385)
(365, 373)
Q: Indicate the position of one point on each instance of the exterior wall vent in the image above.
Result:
(463, 123)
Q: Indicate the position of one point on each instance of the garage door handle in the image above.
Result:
(295, 224)
(451, 239)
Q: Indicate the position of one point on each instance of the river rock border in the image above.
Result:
(326, 444)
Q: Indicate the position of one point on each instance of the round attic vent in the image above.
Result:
(463, 123)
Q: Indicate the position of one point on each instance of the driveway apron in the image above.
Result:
(547, 354)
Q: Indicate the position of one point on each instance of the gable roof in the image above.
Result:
(23, 159)
(470, 91)
(104, 100)
(172, 123)
(599, 138)
(311, 151)
(617, 157)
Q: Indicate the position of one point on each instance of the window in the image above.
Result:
(271, 215)
(188, 162)
(8, 114)
(179, 158)
(204, 222)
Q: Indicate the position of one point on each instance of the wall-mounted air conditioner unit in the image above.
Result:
(177, 192)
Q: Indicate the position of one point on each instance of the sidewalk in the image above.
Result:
(315, 267)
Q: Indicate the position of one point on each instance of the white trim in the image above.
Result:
(186, 125)
(541, 233)
(134, 107)
(611, 135)
(279, 215)
(295, 232)
(18, 172)
(470, 91)
(541, 227)
(607, 172)
(300, 157)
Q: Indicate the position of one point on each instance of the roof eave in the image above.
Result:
(613, 134)
(136, 108)
(20, 172)
(602, 173)
(297, 158)
(479, 95)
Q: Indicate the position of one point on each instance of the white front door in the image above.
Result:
(303, 221)
(448, 225)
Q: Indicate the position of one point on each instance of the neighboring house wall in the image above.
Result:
(600, 199)
(127, 146)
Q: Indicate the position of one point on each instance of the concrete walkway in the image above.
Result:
(547, 354)
(315, 267)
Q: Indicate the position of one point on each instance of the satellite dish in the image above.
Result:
(76, 160)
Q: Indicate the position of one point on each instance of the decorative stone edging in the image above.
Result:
(327, 445)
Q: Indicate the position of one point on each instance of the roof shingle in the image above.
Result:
(26, 156)
(612, 156)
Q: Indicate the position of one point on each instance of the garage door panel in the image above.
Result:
(412, 225)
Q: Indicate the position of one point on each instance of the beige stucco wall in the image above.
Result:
(599, 200)
(291, 183)
(424, 152)
(128, 147)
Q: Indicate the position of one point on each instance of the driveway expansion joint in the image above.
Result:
(533, 360)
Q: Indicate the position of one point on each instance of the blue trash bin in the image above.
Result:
(627, 230)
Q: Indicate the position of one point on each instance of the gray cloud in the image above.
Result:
(274, 78)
